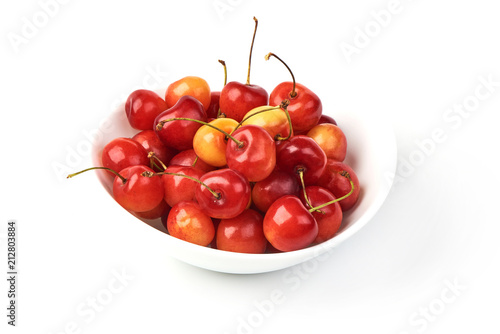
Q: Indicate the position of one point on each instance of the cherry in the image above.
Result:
(305, 106)
(189, 158)
(142, 107)
(243, 233)
(331, 139)
(236, 99)
(225, 193)
(159, 211)
(209, 142)
(134, 188)
(188, 86)
(179, 134)
(338, 185)
(276, 185)
(303, 157)
(151, 143)
(327, 119)
(329, 218)
(123, 152)
(274, 120)
(187, 221)
(255, 154)
(213, 108)
(178, 188)
(288, 225)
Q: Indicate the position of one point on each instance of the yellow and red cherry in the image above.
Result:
(151, 143)
(276, 185)
(302, 157)
(190, 159)
(305, 106)
(331, 139)
(333, 180)
(329, 218)
(254, 153)
(288, 225)
(178, 188)
(243, 233)
(123, 152)
(142, 107)
(236, 99)
(273, 119)
(179, 134)
(188, 86)
(209, 142)
(187, 221)
(225, 193)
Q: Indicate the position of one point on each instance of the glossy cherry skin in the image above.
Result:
(305, 107)
(276, 185)
(178, 188)
(123, 152)
(242, 234)
(339, 185)
(236, 99)
(256, 158)
(301, 153)
(187, 221)
(288, 225)
(189, 158)
(192, 86)
(139, 193)
(142, 107)
(331, 139)
(210, 144)
(151, 143)
(233, 189)
(330, 217)
(273, 121)
(213, 108)
(178, 134)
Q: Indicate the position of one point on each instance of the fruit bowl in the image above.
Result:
(372, 154)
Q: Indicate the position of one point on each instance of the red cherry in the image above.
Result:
(301, 154)
(327, 119)
(278, 184)
(151, 143)
(189, 158)
(142, 107)
(329, 218)
(236, 99)
(138, 193)
(187, 221)
(159, 211)
(179, 134)
(255, 155)
(123, 152)
(213, 108)
(339, 185)
(228, 196)
(243, 233)
(305, 106)
(288, 225)
(178, 188)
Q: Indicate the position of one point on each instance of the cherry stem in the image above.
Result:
(301, 175)
(251, 49)
(152, 157)
(293, 93)
(345, 174)
(194, 161)
(278, 137)
(213, 192)
(225, 70)
(283, 106)
(92, 168)
(159, 126)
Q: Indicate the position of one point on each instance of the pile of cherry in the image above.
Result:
(238, 169)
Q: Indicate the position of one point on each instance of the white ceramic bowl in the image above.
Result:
(371, 153)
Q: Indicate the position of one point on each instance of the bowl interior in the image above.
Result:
(371, 154)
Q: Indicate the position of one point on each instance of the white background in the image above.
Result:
(438, 227)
